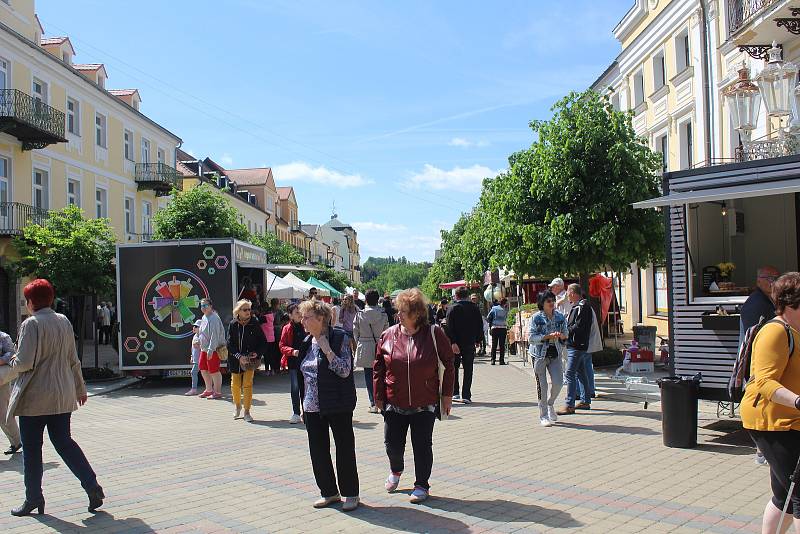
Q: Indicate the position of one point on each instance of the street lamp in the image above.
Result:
(777, 84)
(744, 103)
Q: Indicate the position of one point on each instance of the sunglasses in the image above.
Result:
(245, 309)
(205, 305)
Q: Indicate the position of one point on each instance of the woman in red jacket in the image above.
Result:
(406, 381)
(292, 337)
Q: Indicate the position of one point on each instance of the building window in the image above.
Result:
(41, 189)
(145, 150)
(101, 81)
(100, 123)
(161, 155)
(615, 101)
(687, 145)
(682, 51)
(130, 224)
(73, 116)
(659, 71)
(39, 95)
(5, 191)
(128, 143)
(73, 193)
(660, 303)
(4, 81)
(66, 57)
(147, 218)
(662, 146)
(638, 88)
(101, 203)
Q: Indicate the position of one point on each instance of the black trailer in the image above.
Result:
(159, 288)
(744, 214)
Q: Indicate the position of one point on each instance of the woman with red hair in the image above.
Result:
(49, 388)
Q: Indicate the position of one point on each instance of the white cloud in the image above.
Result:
(466, 143)
(299, 171)
(226, 160)
(368, 226)
(457, 179)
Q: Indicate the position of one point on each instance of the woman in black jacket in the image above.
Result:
(246, 343)
(329, 398)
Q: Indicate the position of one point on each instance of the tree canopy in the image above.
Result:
(74, 253)
(277, 250)
(389, 274)
(200, 212)
(336, 279)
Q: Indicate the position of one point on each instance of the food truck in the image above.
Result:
(723, 222)
(159, 288)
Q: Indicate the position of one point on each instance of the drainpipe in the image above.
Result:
(706, 79)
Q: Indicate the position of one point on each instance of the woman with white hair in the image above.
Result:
(246, 344)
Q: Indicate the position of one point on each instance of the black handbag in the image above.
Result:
(551, 353)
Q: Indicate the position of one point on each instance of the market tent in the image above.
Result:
(324, 291)
(278, 288)
(334, 292)
(292, 279)
(457, 284)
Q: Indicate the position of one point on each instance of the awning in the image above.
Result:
(722, 193)
(277, 288)
(322, 291)
(334, 292)
(457, 284)
(289, 268)
(293, 280)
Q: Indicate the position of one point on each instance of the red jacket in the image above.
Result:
(406, 370)
(287, 345)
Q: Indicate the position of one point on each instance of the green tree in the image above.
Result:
(277, 250)
(200, 212)
(74, 253)
(565, 206)
(399, 275)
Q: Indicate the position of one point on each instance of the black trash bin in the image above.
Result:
(679, 410)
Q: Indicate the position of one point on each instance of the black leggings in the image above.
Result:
(782, 450)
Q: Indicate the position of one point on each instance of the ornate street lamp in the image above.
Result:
(744, 103)
(777, 84)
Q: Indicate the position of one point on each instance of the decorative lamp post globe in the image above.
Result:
(777, 83)
(744, 103)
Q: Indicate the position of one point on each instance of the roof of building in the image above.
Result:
(310, 229)
(123, 92)
(88, 66)
(184, 170)
(52, 40)
(285, 192)
(214, 166)
(254, 176)
(182, 155)
(336, 223)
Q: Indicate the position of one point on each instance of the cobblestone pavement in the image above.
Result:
(170, 463)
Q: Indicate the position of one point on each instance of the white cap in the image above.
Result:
(556, 282)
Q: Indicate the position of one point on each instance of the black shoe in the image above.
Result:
(492, 362)
(28, 507)
(13, 449)
(503, 363)
(95, 499)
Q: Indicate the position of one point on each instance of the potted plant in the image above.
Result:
(726, 270)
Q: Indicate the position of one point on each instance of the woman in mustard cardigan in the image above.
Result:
(771, 405)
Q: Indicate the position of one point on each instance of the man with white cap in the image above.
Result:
(560, 291)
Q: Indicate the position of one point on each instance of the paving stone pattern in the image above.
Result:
(170, 463)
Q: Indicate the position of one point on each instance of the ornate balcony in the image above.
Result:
(158, 177)
(30, 120)
(14, 217)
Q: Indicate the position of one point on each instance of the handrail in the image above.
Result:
(741, 12)
(156, 172)
(15, 216)
(32, 111)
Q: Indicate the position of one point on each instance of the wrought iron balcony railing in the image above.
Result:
(14, 217)
(30, 120)
(741, 12)
(158, 177)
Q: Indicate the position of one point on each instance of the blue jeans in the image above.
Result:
(294, 379)
(58, 428)
(576, 371)
(589, 376)
(368, 383)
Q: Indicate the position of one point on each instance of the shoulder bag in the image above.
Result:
(440, 413)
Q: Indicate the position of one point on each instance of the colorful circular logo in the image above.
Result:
(174, 304)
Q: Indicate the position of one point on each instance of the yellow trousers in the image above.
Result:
(242, 382)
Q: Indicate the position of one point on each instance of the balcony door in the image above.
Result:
(6, 101)
(39, 95)
(5, 194)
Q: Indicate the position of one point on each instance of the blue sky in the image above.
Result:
(395, 110)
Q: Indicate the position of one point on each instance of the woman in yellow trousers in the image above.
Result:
(246, 344)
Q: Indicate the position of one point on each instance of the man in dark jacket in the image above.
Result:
(759, 304)
(579, 327)
(464, 327)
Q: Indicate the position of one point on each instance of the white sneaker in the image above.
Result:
(456, 397)
(350, 504)
(551, 414)
(248, 418)
(760, 460)
(238, 413)
(418, 495)
(294, 419)
(392, 481)
(544, 421)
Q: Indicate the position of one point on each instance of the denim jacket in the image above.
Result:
(542, 326)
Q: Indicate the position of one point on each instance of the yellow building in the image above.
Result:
(67, 139)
